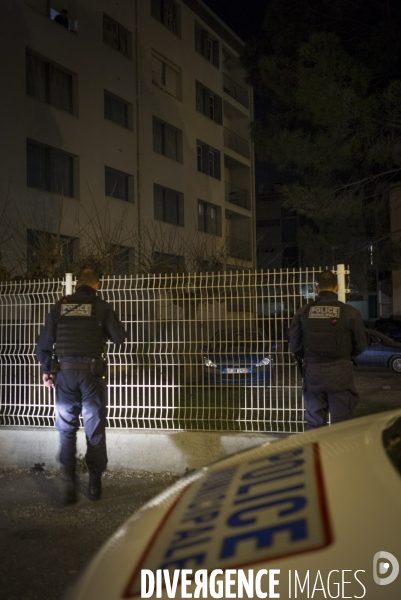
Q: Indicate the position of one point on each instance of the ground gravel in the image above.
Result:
(44, 546)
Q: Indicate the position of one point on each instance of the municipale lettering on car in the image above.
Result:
(270, 507)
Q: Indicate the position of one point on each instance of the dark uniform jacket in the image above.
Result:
(353, 334)
(112, 328)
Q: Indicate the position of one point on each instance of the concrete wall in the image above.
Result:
(135, 450)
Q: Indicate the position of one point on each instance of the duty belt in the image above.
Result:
(325, 359)
(75, 365)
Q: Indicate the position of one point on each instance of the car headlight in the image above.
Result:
(264, 362)
(208, 363)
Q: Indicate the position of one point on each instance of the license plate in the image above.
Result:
(243, 370)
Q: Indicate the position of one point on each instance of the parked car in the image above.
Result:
(390, 327)
(382, 351)
(239, 357)
(315, 510)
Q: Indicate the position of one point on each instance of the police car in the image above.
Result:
(315, 515)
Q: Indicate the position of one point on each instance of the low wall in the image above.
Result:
(153, 451)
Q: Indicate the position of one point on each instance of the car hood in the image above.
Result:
(227, 359)
(327, 500)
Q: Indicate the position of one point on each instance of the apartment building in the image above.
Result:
(276, 231)
(127, 128)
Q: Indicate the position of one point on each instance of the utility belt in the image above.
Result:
(325, 359)
(97, 366)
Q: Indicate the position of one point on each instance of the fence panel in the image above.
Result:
(203, 351)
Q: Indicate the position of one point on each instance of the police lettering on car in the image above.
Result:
(241, 515)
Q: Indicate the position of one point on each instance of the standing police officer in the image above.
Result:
(326, 335)
(72, 344)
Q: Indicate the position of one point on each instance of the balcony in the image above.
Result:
(237, 196)
(240, 249)
(233, 89)
(236, 143)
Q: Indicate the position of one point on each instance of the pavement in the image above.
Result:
(44, 547)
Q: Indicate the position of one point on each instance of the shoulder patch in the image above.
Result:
(324, 312)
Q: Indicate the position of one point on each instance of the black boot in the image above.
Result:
(95, 486)
(70, 488)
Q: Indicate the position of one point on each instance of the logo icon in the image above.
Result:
(381, 566)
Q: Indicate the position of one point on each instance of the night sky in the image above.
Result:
(244, 17)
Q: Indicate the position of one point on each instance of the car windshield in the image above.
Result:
(238, 341)
(380, 338)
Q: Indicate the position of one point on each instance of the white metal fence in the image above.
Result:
(203, 352)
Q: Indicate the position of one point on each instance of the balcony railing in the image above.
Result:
(238, 248)
(237, 195)
(237, 143)
(233, 89)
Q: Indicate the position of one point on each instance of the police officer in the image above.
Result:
(327, 335)
(72, 344)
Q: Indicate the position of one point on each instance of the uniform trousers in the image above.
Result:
(79, 392)
(328, 388)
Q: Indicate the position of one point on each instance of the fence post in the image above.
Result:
(68, 284)
(341, 282)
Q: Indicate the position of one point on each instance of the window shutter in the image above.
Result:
(60, 89)
(169, 15)
(122, 40)
(217, 165)
(171, 81)
(205, 158)
(204, 39)
(110, 31)
(61, 173)
(181, 210)
(158, 71)
(198, 39)
(36, 77)
(158, 136)
(38, 174)
(216, 53)
(218, 108)
(172, 207)
(158, 196)
(206, 102)
(199, 97)
(170, 142)
(156, 9)
(218, 220)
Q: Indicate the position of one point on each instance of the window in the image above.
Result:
(209, 218)
(289, 230)
(168, 263)
(50, 169)
(269, 223)
(116, 36)
(168, 205)
(206, 45)
(208, 160)
(290, 257)
(121, 260)
(49, 83)
(166, 75)
(167, 140)
(168, 13)
(208, 103)
(117, 110)
(48, 250)
(118, 184)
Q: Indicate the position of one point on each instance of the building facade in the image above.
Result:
(276, 231)
(125, 130)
